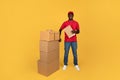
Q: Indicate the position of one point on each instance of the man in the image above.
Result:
(70, 42)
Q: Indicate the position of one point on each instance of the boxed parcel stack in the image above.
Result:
(49, 52)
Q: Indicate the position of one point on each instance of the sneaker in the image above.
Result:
(64, 67)
(77, 67)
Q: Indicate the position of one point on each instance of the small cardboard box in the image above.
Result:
(47, 35)
(49, 57)
(47, 69)
(68, 31)
(47, 46)
(56, 36)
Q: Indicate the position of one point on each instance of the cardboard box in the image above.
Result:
(47, 35)
(47, 46)
(56, 37)
(47, 69)
(68, 31)
(49, 57)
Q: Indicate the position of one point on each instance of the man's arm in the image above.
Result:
(60, 30)
(76, 31)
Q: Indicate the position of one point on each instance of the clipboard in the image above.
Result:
(68, 31)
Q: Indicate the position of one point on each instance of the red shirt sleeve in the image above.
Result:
(62, 26)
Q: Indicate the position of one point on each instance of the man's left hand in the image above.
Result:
(73, 31)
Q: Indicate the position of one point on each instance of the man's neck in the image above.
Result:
(70, 19)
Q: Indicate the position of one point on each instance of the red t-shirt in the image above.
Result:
(74, 25)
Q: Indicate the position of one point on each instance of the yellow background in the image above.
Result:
(98, 43)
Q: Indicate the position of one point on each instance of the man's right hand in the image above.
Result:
(60, 30)
(60, 40)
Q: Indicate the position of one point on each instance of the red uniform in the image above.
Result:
(74, 25)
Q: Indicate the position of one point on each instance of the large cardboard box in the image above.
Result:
(49, 57)
(56, 36)
(68, 31)
(47, 46)
(47, 69)
(47, 35)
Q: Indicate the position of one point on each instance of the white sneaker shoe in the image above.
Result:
(77, 67)
(64, 67)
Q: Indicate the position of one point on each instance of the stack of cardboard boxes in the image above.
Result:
(49, 52)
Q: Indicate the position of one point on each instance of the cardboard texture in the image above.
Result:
(49, 57)
(47, 46)
(47, 69)
(56, 36)
(47, 35)
(68, 31)
(49, 52)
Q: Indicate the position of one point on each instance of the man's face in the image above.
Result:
(70, 16)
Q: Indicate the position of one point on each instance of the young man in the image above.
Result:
(70, 42)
